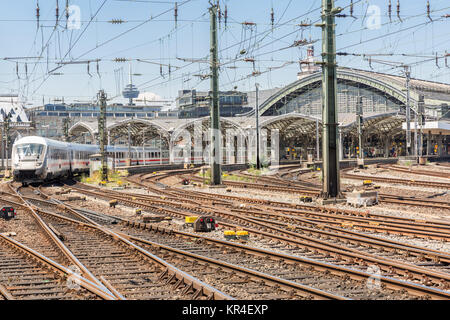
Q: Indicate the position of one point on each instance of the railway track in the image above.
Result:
(314, 190)
(323, 275)
(412, 182)
(342, 282)
(90, 244)
(28, 275)
(239, 281)
(436, 230)
(290, 238)
(366, 221)
(427, 173)
(41, 237)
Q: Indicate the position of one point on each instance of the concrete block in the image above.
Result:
(362, 198)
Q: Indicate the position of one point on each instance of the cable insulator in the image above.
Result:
(37, 14)
(226, 16)
(88, 70)
(116, 21)
(219, 12)
(17, 70)
(351, 8)
(57, 12)
(398, 11)
(120, 60)
(26, 70)
(176, 13)
(429, 11)
(446, 55)
(67, 10)
(161, 70)
(437, 61)
(272, 17)
(390, 11)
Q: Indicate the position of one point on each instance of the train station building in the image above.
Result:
(294, 112)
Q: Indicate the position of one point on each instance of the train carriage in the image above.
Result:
(37, 159)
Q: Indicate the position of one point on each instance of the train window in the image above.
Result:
(29, 149)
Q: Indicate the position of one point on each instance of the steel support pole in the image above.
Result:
(129, 144)
(143, 148)
(6, 137)
(359, 121)
(330, 152)
(317, 141)
(3, 148)
(258, 160)
(102, 135)
(408, 113)
(216, 174)
(421, 111)
(429, 143)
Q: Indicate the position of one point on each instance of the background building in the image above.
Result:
(196, 104)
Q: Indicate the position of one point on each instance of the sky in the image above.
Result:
(149, 34)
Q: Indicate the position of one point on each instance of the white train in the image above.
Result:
(36, 159)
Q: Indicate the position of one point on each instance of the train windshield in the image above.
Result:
(29, 150)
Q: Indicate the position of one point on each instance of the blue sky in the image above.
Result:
(159, 42)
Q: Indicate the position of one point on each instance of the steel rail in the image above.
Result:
(412, 182)
(64, 250)
(381, 224)
(228, 266)
(390, 282)
(180, 275)
(310, 242)
(5, 293)
(445, 175)
(61, 270)
(354, 274)
(387, 198)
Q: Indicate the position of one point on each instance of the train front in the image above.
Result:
(28, 157)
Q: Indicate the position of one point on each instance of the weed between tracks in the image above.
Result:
(115, 178)
(225, 176)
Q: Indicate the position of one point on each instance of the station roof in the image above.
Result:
(292, 124)
(393, 86)
(380, 123)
